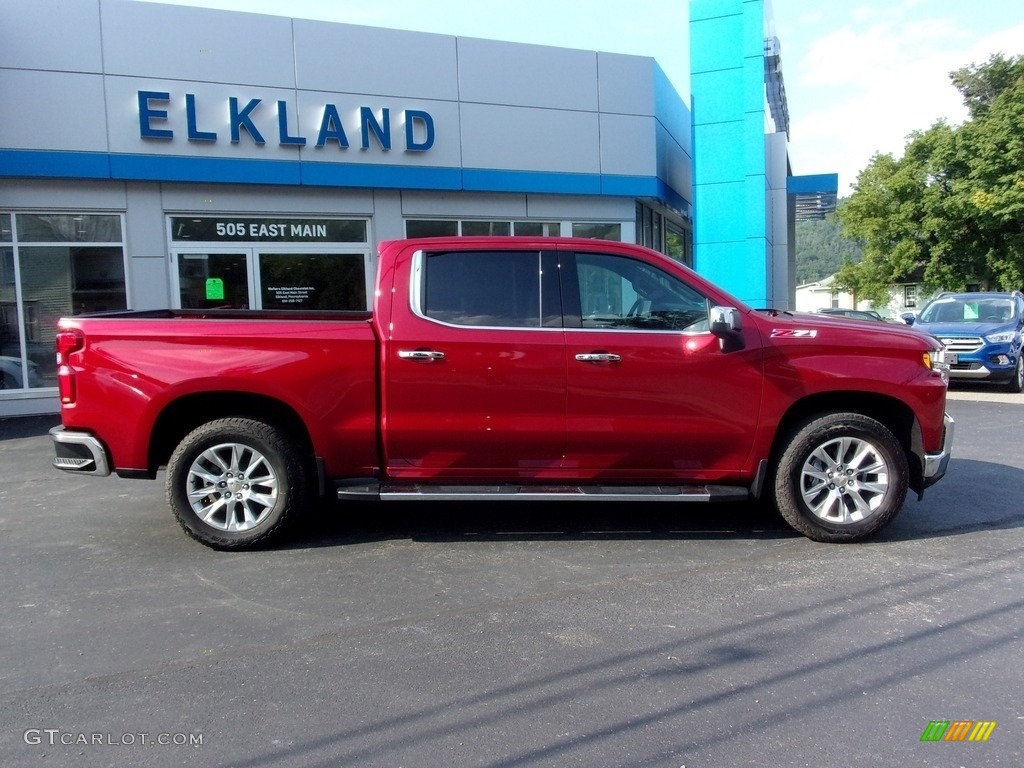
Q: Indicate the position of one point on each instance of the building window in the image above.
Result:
(537, 228)
(679, 244)
(910, 295)
(431, 228)
(659, 233)
(468, 227)
(597, 231)
(492, 228)
(238, 262)
(56, 264)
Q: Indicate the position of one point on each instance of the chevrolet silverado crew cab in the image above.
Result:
(981, 333)
(497, 368)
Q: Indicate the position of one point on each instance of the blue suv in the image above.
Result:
(981, 333)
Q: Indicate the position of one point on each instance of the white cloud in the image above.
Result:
(863, 88)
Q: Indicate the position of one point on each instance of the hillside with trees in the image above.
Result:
(821, 248)
(952, 208)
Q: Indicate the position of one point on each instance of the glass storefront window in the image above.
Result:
(537, 228)
(50, 270)
(469, 227)
(500, 228)
(214, 280)
(431, 228)
(313, 281)
(597, 231)
(12, 368)
(68, 228)
(675, 244)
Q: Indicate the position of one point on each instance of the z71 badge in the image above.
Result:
(794, 333)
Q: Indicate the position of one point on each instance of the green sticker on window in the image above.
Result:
(214, 289)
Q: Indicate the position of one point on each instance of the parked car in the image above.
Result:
(981, 333)
(855, 314)
(12, 373)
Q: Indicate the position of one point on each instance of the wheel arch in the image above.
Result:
(892, 413)
(185, 414)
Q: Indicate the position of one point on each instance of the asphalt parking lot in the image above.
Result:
(513, 635)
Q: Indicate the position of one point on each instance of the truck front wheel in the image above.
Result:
(233, 483)
(841, 477)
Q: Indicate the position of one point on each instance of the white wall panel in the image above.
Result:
(145, 235)
(629, 145)
(29, 41)
(66, 194)
(149, 283)
(170, 41)
(52, 110)
(367, 60)
(245, 198)
(558, 207)
(626, 83)
(529, 139)
(515, 74)
(459, 204)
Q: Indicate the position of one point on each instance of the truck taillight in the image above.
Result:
(68, 341)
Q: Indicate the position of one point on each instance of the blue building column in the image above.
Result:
(732, 200)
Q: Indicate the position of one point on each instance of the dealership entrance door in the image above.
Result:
(286, 264)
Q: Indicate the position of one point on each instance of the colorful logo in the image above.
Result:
(959, 730)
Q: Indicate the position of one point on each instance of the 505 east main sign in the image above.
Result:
(373, 128)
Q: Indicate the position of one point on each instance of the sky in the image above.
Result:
(860, 75)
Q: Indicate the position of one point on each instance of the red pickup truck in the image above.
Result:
(495, 368)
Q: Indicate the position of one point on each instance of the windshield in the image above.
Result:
(959, 309)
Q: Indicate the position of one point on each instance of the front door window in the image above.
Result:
(651, 395)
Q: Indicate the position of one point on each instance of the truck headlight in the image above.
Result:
(936, 361)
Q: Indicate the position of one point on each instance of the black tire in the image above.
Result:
(234, 483)
(1015, 384)
(841, 477)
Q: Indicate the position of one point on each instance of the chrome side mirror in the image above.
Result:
(727, 324)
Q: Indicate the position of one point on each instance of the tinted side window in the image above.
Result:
(490, 288)
(618, 292)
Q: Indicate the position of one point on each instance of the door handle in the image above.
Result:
(420, 354)
(598, 357)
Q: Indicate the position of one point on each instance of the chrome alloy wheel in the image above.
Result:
(844, 480)
(232, 487)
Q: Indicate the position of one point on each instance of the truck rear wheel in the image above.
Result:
(842, 477)
(233, 483)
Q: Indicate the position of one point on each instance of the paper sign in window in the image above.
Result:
(214, 289)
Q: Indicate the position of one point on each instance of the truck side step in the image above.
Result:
(412, 492)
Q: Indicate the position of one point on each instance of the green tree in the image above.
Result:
(953, 205)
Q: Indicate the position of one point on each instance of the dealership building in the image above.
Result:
(155, 155)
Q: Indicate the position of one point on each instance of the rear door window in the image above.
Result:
(501, 289)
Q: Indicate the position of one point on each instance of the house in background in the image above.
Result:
(903, 298)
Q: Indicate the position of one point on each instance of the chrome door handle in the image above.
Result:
(598, 357)
(420, 354)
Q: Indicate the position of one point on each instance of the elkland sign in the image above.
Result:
(373, 128)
